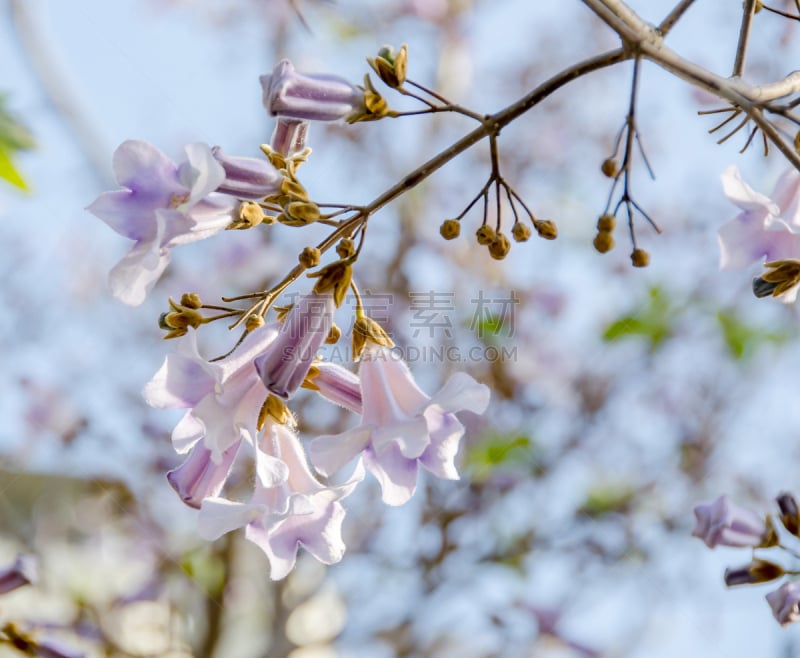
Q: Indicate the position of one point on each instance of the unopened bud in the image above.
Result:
(603, 242)
(790, 513)
(250, 214)
(521, 232)
(254, 321)
(610, 167)
(606, 222)
(335, 277)
(366, 329)
(309, 257)
(390, 66)
(499, 247)
(300, 213)
(191, 300)
(485, 235)
(345, 248)
(450, 229)
(274, 408)
(640, 258)
(545, 228)
(758, 571)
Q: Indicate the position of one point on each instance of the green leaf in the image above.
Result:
(743, 339)
(8, 171)
(14, 136)
(500, 451)
(652, 321)
(607, 499)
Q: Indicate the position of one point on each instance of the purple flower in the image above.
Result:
(199, 477)
(336, 384)
(402, 428)
(722, 523)
(289, 507)
(785, 603)
(284, 367)
(318, 97)
(223, 400)
(766, 228)
(289, 136)
(247, 178)
(162, 205)
(21, 572)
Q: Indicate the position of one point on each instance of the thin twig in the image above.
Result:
(674, 16)
(744, 37)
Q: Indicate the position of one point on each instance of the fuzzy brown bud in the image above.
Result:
(500, 247)
(610, 167)
(250, 214)
(254, 321)
(333, 335)
(640, 258)
(335, 277)
(345, 248)
(390, 66)
(520, 232)
(309, 257)
(485, 235)
(191, 300)
(606, 222)
(603, 242)
(366, 329)
(545, 228)
(450, 229)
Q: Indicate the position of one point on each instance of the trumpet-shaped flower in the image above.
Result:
(223, 399)
(785, 603)
(162, 204)
(284, 367)
(722, 523)
(402, 428)
(289, 507)
(767, 228)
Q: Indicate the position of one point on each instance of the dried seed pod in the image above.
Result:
(640, 258)
(521, 232)
(604, 242)
(500, 247)
(485, 235)
(606, 222)
(545, 228)
(610, 167)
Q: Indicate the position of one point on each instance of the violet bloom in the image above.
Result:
(284, 367)
(289, 136)
(767, 228)
(289, 507)
(336, 384)
(21, 572)
(162, 205)
(247, 178)
(402, 428)
(785, 603)
(222, 399)
(199, 477)
(318, 97)
(722, 523)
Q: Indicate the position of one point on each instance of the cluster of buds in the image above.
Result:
(722, 523)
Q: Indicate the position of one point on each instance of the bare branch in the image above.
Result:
(674, 16)
(748, 12)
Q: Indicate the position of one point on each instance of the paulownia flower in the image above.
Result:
(402, 428)
(162, 205)
(722, 523)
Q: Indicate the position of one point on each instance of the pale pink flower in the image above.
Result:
(785, 603)
(722, 523)
(402, 428)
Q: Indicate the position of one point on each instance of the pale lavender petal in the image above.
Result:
(396, 474)
(23, 571)
(388, 389)
(329, 453)
(247, 178)
(743, 243)
(180, 383)
(338, 385)
(786, 196)
(722, 523)
(741, 194)
(255, 343)
(446, 432)
(124, 212)
(289, 136)
(202, 174)
(462, 393)
(270, 470)
(219, 516)
(187, 432)
(785, 603)
(198, 477)
(135, 275)
(410, 436)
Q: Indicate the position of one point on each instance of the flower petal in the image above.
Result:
(331, 452)
(462, 393)
(396, 474)
(219, 516)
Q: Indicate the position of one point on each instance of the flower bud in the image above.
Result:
(758, 571)
(790, 513)
(334, 278)
(345, 248)
(247, 178)
(781, 276)
(250, 215)
(390, 66)
(366, 329)
(254, 321)
(316, 97)
(289, 136)
(603, 242)
(333, 335)
(450, 229)
(785, 603)
(500, 247)
(640, 258)
(274, 408)
(545, 228)
(309, 257)
(606, 222)
(722, 523)
(610, 167)
(191, 300)
(300, 213)
(485, 235)
(521, 232)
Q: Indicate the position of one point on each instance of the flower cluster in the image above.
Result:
(722, 523)
(236, 405)
(767, 228)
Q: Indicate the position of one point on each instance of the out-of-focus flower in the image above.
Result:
(316, 97)
(766, 228)
(790, 512)
(785, 603)
(247, 178)
(21, 572)
(758, 571)
(223, 398)
(289, 507)
(402, 428)
(722, 523)
(285, 365)
(162, 205)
